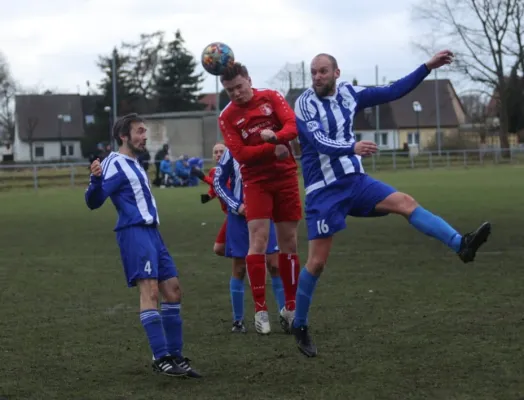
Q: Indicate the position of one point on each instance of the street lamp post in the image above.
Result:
(107, 109)
(417, 108)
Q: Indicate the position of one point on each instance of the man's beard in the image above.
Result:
(135, 150)
(325, 90)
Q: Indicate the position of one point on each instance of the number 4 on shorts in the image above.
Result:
(147, 267)
(322, 227)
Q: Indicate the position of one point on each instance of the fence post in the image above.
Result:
(373, 162)
(35, 177)
(73, 170)
(412, 160)
(447, 159)
(465, 159)
(430, 160)
(394, 161)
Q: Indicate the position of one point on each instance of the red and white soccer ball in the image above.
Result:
(216, 57)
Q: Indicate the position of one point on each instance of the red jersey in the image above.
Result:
(241, 125)
(209, 180)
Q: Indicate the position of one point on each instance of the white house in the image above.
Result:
(50, 126)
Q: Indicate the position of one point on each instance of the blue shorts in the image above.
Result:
(237, 237)
(355, 195)
(144, 255)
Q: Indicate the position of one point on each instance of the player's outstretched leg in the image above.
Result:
(153, 325)
(236, 290)
(172, 323)
(432, 225)
(318, 253)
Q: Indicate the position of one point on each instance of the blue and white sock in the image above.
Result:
(236, 290)
(152, 324)
(278, 291)
(172, 322)
(434, 226)
(305, 289)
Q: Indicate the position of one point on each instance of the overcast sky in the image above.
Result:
(54, 44)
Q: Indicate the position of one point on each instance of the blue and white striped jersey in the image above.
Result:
(126, 183)
(325, 127)
(228, 170)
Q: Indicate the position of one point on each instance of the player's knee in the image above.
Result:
(316, 265)
(149, 293)
(258, 242)
(406, 204)
(287, 237)
(219, 249)
(171, 291)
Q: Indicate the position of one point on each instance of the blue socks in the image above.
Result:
(152, 324)
(278, 291)
(236, 289)
(436, 227)
(305, 289)
(172, 322)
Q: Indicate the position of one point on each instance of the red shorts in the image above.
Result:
(221, 237)
(277, 200)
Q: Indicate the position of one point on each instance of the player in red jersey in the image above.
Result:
(257, 126)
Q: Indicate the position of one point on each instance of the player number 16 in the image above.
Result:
(322, 227)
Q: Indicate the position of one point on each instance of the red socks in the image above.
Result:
(289, 268)
(256, 271)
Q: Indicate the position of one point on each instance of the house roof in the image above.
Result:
(399, 114)
(39, 114)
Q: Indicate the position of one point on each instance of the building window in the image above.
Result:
(39, 151)
(358, 137)
(90, 119)
(67, 150)
(413, 139)
(381, 139)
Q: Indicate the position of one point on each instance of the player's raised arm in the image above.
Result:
(308, 123)
(223, 171)
(372, 96)
(104, 181)
(247, 155)
(287, 118)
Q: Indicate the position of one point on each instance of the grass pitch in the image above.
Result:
(395, 316)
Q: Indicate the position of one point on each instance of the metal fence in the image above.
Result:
(18, 176)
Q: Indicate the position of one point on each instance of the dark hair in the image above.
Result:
(122, 126)
(233, 71)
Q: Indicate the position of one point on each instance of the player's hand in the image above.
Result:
(444, 57)
(96, 169)
(281, 152)
(365, 148)
(268, 135)
(241, 210)
(204, 198)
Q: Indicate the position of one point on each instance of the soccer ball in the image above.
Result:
(216, 57)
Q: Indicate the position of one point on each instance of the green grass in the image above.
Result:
(395, 316)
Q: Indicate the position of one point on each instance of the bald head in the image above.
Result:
(324, 74)
(218, 150)
(327, 57)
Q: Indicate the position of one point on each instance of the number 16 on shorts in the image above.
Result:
(322, 227)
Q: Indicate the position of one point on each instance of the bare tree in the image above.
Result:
(291, 76)
(480, 34)
(144, 58)
(7, 96)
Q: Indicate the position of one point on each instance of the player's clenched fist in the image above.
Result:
(281, 152)
(365, 148)
(96, 169)
(268, 135)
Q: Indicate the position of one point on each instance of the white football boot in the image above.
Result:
(262, 325)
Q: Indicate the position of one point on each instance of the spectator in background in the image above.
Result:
(183, 170)
(159, 156)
